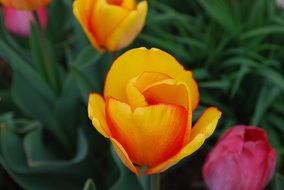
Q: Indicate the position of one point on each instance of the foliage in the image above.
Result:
(234, 48)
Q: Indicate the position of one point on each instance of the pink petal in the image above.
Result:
(19, 21)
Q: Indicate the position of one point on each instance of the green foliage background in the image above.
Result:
(234, 48)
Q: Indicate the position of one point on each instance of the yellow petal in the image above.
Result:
(115, 2)
(168, 91)
(157, 88)
(126, 31)
(135, 97)
(122, 154)
(191, 147)
(96, 112)
(82, 10)
(139, 131)
(137, 85)
(137, 61)
(105, 19)
(148, 78)
(129, 4)
(203, 128)
(207, 122)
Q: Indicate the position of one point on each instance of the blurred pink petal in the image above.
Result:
(242, 160)
(280, 4)
(19, 21)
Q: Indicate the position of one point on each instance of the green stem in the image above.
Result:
(155, 182)
(36, 17)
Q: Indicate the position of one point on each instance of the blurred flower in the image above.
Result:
(146, 111)
(19, 21)
(280, 3)
(242, 160)
(25, 4)
(110, 24)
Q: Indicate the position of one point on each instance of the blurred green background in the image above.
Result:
(234, 48)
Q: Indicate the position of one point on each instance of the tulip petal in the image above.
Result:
(122, 154)
(162, 92)
(82, 11)
(129, 4)
(136, 86)
(106, 19)
(203, 128)
(135, 97)
(207, 122)
(139, 131)
(136, 61)
(128, 29)
(194, 145)
(25, 4)
(96, 112)
(19, 21)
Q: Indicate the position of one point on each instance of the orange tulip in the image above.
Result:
(25, 4)
(110, 24)
(146, 111)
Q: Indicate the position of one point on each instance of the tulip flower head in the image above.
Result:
(110, 24)
(146, 111)
(280, 4)
(25, 4)
(19, 21)
(242, 160)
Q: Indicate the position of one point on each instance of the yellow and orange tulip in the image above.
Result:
(111, 24)
(146, 111)
(25, 4)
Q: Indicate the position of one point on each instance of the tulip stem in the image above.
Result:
(36, 17)
(155, 182)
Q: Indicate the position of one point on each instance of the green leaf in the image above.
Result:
(19, 65)
(87, 57)
(43, 58)
(84, 83)
(34, 164)
(89, 185)
(66, 112)
(127, 179)
(279, 181)
(263, 31)
(33, 96)
(257, 13)
(238, 79)
(30, 99)
(277, 121)
(265, 99)
(273, 76)
(220, 11)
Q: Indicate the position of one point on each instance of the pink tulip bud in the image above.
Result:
(242, 160)
(280, 4)
(19, 21)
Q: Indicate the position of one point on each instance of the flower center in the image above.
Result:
(115, 2)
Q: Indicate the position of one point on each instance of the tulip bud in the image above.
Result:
(280, 4)
(110, 24)
(25, 4)
(243, 159)
(19, 21)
